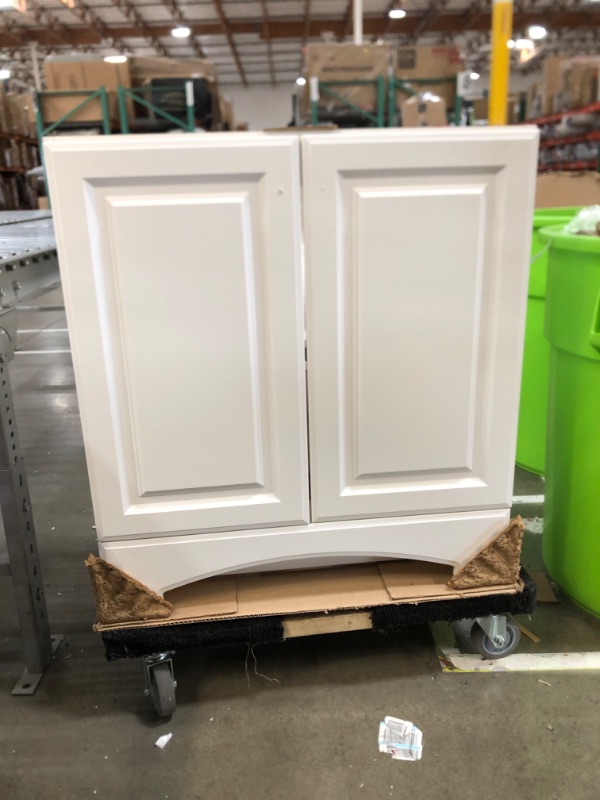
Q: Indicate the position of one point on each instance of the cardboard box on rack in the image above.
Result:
(481, 109)
(226, 111)
(17, 109)
(76, 74)
(579, 81)
(142, 69)
(557, 189)
(63, 75)
(346, 62)
(553, 84)
(55, 108)
(424, 111)
(534, 106)
(4, 126)
(145, 70)
(433, 62)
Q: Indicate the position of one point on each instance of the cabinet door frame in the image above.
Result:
(259, 176)
(494, 170)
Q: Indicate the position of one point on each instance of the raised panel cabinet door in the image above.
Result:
(417, 249)
(181, 264)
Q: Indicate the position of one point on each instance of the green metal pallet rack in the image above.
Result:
(377, 119)
(88, 94)
(123, 93)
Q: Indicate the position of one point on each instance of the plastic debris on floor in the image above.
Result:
(163, 741)
(400, 739)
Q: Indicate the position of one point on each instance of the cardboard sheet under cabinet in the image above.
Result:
(310, 591)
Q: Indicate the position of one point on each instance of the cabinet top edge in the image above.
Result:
(162, 141)
(183, 141)
(503, 133)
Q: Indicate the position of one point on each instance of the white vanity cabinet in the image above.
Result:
(181, 259)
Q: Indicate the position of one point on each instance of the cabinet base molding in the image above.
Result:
(165, 563)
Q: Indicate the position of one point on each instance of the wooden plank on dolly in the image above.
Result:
(316, 624)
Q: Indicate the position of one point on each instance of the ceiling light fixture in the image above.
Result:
(537, 32)
(396, 13)
(181, 32)
(115, 59)
(510, 44)
(301, 81)
(474, 76)
(4, 74)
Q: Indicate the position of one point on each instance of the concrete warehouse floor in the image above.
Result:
(89, 733)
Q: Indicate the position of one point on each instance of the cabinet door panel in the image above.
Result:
(417, 258)
(181, 264)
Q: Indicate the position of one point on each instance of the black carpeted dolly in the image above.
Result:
(494, 634)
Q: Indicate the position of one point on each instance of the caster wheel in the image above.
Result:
(486, 647)
(162, 687)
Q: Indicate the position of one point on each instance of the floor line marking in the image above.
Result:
(38, 352)
(528, 499)
(40, 308)
(43, 330)
(455, 661)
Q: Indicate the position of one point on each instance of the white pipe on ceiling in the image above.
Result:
(358, 22)
(35, 65)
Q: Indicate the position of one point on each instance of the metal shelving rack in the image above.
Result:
(26, 240)
(382, 116)
(88, 95)
(377, 119)
(562, 141)
(137, 95)
(123, 94)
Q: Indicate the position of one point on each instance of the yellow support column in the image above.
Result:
(501, 32)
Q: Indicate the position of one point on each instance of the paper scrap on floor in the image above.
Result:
(162, 741)
(401, 739)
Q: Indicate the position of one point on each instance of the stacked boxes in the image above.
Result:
(80, 73)
(346, 62)
(424, 111)
(226, 111)
(18, 152)
(437, 65)
(579, 82)
(568, 83)
(146, 72)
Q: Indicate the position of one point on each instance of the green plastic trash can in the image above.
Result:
(531, 436)
(571, 540)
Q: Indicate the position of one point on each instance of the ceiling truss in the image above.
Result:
(252, 48)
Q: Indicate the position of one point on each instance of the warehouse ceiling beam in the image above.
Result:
(56, 30)
(228, 30)
(142, 28)
(89, 17)
(391, 25)
(306, 31)
(173, 7)
(473, 13)
(447, 22)
(10, 28)
(267, 36)
(427, 20)
(347, 24)
(561, 10)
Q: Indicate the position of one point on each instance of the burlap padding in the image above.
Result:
(498, 563)
(120, 598)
